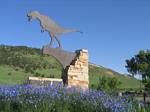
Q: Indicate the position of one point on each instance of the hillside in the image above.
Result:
(97, 71)
(17, 63)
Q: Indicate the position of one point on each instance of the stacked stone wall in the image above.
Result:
(77, 72)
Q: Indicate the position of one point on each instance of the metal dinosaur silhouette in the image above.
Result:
(49, 25)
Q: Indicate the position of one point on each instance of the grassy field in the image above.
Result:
(126, 81)
(14, 60)
(8, 75)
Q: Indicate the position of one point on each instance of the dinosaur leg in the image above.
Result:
(58, 40)
(51, 42)
(52, 39)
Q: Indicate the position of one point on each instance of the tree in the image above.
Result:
(113, 83)
(140, 65)
(108, 83)
(102, 84)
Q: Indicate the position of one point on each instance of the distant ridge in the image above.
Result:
(93, 64)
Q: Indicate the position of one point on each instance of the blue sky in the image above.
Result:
(114, 30)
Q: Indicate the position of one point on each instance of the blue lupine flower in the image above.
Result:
(33, 95)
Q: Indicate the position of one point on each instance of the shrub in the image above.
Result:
(51, 76)
(9, 73)
(42, 75)
(37, 74)
(109, 83)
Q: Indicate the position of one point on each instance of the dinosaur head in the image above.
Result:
(32, 15)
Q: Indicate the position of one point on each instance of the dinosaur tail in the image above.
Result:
(72, 30)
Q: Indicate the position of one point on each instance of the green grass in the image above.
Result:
(126, 81)
(9, 76)
(32, 56)
(50, 72)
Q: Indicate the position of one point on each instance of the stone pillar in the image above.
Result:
(75, 66)
(77, 71)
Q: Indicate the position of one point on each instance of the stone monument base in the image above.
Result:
(77, 71)
(75, 66)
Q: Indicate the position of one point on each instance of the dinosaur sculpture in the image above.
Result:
(49, 25)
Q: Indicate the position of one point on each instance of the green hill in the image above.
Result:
(17, 63)
(126, 81)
